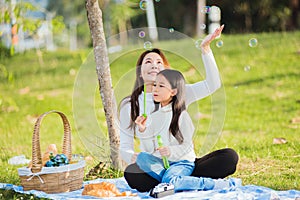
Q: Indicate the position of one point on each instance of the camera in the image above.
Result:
(162, 189)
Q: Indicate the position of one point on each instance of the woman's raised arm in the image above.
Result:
(212, 82)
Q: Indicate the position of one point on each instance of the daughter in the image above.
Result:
(173, 123)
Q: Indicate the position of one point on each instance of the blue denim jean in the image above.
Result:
(178, 174)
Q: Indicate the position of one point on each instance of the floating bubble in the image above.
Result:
(143, 4)
(142, 34)
(253, 42)
(147, 45)
(171, 30)
(205, 9)
(247, 68)
(202, 26)
(219, 43)
(198, 43)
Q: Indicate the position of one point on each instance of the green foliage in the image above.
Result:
(246, 16)
(70, 12)
(4, 52)
(58, 24)
(11, 194)
(122, 13)
(18, 15)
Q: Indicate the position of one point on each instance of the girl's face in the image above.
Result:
(162, 91)
(151, 65)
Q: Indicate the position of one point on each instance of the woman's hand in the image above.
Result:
(205, 44)
(164, 151)
(141, 122)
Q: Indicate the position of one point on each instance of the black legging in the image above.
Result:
(217, 164)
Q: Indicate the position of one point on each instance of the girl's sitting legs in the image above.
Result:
(217, 164)
(178, 174)
(138, 179)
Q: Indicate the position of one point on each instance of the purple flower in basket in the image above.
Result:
(58, 159)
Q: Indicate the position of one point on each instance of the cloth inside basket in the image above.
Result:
(25, 171)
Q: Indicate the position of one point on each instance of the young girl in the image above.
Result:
(175, 126)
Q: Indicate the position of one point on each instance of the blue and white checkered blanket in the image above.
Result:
(238, 192)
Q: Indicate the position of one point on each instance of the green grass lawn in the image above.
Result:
(261, 87)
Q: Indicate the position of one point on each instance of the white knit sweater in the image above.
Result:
(194, 92)
(158, 123)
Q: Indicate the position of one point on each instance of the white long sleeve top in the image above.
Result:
(194, 92)
(158, 123)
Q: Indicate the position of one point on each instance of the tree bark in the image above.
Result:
(94, 15)
(294, 21)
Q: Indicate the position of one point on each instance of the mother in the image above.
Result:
(217, 164)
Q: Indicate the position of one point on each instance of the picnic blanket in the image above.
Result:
(237, 192)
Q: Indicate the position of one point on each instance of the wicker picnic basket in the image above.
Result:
(52, 179)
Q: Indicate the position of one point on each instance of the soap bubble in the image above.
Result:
(147, 45)
(205, 9)
(219, 43)
(171, 30)
(198, 43)
(202, 26)
(247, 68)
(143, 4)
(142, 34)
(253, 42)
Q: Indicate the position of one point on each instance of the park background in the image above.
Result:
(261, 81)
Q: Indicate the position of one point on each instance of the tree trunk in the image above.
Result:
(94, 15)
(294, 20)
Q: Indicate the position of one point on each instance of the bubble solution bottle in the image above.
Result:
(164, 158)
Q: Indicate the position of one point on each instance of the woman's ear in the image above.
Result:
(174, 92)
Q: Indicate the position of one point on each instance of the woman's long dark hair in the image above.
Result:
(177, 81)
(139, 85)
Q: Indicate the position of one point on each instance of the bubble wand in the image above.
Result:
(145, 115)
(164, 158)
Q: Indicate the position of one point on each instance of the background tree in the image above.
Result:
(256, 15)
(240, 16)
(20, 17)
(73, 12)
(118, 15)
(294, 22)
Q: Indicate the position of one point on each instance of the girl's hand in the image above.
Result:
(133, 158)
(164, 151)
(205, 48)
(141, 122)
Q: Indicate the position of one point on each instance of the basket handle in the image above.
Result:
(36, 149)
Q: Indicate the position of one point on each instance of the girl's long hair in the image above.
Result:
(133, 99)
(176, 81)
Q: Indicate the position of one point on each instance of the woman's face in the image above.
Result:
(151, 65)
